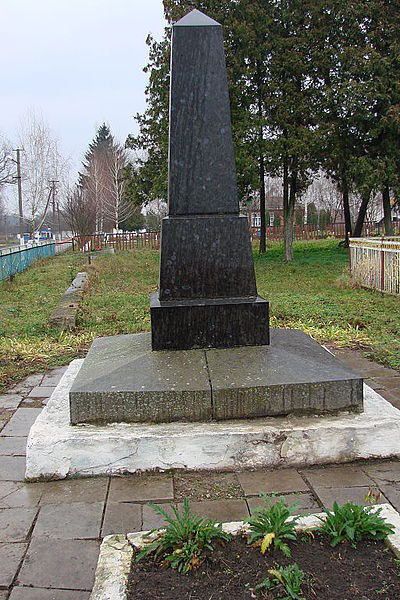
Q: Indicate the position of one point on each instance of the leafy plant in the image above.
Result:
(351, 522)
(271, 524)
(289, 578)
(184, 539)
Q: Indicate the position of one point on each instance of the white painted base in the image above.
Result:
(56, 449)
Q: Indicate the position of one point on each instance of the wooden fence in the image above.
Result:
(315, 232)
(151, 239)
(118, 241)
(375, 263)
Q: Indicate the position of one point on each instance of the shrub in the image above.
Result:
(184, 539)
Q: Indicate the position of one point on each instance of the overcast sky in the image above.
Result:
(78, 62)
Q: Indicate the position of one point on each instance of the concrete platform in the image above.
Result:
(122, 380)
(56, 449)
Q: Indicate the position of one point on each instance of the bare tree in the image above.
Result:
(79, 211)
(116, 208)
(95, 185)
(7, 166)
(41, 162)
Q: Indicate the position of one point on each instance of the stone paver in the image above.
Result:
(41, 392)
(306, 503)
(385, 382)
(362, 365)
(385, 472)
(27, 384)
(15, 524)
(392, 396)
(342, 495)
(12, 468)
(78, 520)
(286, 480)
(10, 558)
(25, 495)
(341, 476)
(10, 401)
(53, 377)
(151, 519)
(140, 488)
(75, 490)
(7, 487)
(67, 564)
(122, 517)
(21, 422)
(34, 403)
(27, 593)
(392, 493)
(13, 446)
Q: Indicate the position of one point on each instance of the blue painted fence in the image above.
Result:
(16, 260)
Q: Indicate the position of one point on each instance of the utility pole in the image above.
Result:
(21, 214)
(53, 184)
(58, 214)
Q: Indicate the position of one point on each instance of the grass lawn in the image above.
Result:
(313, 293)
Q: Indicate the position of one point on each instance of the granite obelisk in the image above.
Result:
(207, 295)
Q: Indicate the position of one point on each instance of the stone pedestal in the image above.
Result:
(208, 323)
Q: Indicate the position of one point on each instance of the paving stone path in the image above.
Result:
(50, 532)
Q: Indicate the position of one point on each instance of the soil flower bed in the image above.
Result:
(269, 558)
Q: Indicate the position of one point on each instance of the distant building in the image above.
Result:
(273, 208)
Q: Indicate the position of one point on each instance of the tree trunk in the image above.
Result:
(288, 217)
(261, 167)
(346, 210)
(361, 214)
(387, 211)
(262, 205)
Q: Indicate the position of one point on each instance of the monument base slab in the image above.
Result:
(208, 323)
(123, 380)
(56, 449)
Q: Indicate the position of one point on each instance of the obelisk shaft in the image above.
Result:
(202, 174)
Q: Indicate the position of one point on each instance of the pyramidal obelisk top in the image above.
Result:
(202, 173)
(196, 19)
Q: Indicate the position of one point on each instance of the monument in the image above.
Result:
(209, 356)
(211, 387)
(207, 296)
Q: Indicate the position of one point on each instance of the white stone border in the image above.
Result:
(117, 550)
(56, 449)
(113, 569)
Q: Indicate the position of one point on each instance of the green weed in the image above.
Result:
(353, 523)
(271, 525)
(287, 580)
(185, 538)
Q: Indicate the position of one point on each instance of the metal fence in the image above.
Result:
(118, 241)
(375, 263)
(15, 260)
